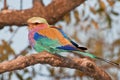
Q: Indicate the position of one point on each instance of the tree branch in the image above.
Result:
(83, 64)
(53, 12)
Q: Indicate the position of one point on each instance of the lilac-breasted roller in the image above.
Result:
(43, 37)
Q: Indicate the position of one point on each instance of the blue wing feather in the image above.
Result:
(63, 33)
(67, 47)
(38, 36)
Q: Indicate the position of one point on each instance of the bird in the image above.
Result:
(44, 37)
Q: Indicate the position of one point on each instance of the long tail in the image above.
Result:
(95, 57)
(108, 61)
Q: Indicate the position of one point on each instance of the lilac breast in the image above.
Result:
(31, 39)
(31, 34)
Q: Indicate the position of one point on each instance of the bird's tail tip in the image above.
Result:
(108, 61)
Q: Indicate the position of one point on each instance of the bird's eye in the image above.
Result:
(36, 23)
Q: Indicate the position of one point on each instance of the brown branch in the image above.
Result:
(83, 64)
(53, 12)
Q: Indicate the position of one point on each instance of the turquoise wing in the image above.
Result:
(43, 43)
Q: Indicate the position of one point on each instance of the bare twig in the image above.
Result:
(5, 5)
(53, 12)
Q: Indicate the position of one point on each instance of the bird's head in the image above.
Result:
(36, 22)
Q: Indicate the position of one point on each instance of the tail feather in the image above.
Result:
(95, 57)
(108, 61)
(85, 54)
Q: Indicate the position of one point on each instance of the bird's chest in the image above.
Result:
(31, 38)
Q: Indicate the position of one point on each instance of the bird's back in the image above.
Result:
(54, 34)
